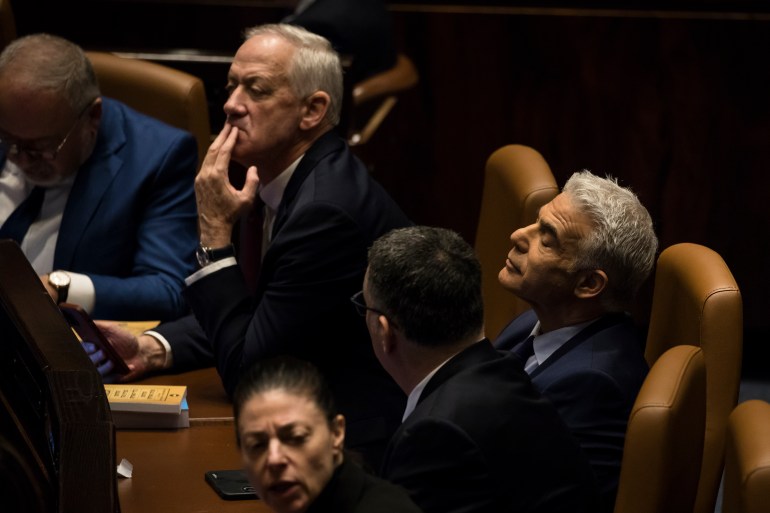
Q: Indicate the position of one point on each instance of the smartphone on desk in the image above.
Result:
(231, 484)
(84, 326)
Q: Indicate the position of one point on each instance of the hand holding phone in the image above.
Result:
(84, 326)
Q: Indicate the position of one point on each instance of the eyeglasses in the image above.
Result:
(358, 300)
(14, 149)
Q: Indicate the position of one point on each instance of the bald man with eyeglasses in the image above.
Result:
(99, 197)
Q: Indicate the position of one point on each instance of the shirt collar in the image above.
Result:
(272, 193)
(546, 344)
(414, 395)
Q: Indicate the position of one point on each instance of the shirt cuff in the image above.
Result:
(81, 291)
(169, 361)
(209, 269)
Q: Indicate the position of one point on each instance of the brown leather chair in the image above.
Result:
(517, 183)
(747, 459)
(7, 24)
(170, 95)
(664, 439)
(385, 85)
(696, 301)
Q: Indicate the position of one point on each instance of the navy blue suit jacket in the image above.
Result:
(130, 222)
(330, 214)
(482, 439)
(593, 381)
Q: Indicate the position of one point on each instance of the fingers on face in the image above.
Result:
(218, 157)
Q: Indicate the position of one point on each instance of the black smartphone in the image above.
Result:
(231, 484)
(81, 322)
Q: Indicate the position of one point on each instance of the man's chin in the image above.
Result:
(240, 157)
(505, 275)
(508, 280)
(43, 179)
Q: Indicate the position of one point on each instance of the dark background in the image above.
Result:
(673, 98)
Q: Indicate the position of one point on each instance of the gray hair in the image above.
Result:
(428, 282)
(51, 63)
(622, 243)
(314, 67)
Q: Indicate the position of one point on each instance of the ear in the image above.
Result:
(95, 114)
(591, 283)
(314, 110)
(338, 434)
(388, 338)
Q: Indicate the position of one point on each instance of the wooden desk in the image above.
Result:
(169, 467)
(205, 395)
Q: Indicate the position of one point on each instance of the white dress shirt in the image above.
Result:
(39, 244)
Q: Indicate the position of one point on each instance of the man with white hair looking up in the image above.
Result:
(580, 266)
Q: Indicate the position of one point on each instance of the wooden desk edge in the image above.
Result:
(205, 421)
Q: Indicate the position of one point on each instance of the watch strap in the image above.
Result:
(62, 291)
(208, 255)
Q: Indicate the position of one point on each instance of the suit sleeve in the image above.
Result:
(317, 262)
(598, 424)
(165, 244)
(609, 404)
(189, 347)
(440, 467)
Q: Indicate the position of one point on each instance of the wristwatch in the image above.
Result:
(207, 255)
(60, 281)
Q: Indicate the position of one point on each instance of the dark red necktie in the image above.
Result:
(250, 252)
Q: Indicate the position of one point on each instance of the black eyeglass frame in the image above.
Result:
(361, 307)
(14, 149)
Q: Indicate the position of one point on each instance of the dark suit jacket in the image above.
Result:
(330, 214)
(482, 439)
(130, 222)
(360, 29)
(351, 490)
(593, 381)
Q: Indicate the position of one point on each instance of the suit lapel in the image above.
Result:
(588, 332)
(327, 143)
(92, 180)
(477, 353)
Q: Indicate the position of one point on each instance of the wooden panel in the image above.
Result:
(53, 408)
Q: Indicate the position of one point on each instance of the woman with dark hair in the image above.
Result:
(291, 441)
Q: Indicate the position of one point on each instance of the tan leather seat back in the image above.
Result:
(696, 301)
(403, 75)
(664, 440)
(517, 183)
(384, 86)
(747, 459)
(172, 96)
